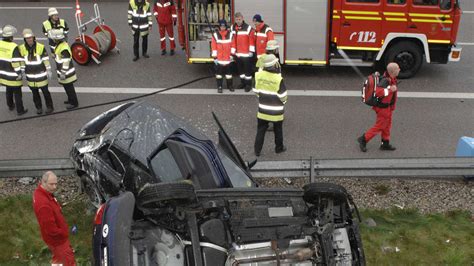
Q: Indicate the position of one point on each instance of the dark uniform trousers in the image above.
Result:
(223, 71)
(71, 94)
(244, 67)
(37, 98)
(262, 126)
(15, 92)
(136, 43)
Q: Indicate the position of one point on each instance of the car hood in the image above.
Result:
(142, 127)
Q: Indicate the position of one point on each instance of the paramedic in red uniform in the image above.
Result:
(165, 13)
(54, 229)
(244, 37)
(387, 92)
(223, 47)
(263, 34)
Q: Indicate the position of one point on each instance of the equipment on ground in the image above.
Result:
(87, 47)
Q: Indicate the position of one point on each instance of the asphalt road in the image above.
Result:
(322, 127)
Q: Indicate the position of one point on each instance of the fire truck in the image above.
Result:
(336, 32)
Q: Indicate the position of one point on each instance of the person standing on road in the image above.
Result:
(223, 47)
(263, 34)
(272, 97)
(140, 20)
(245, 48)
(37, 69)
(53, 226)
(10, 70)
(165, 13)
(272, 48)
(54, 22)
(386, 91)
(64, 67)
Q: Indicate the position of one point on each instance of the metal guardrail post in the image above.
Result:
(312, 179)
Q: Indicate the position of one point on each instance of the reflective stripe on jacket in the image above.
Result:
(48, 25)
(10, 64)
(223, 46)
(35, 64)
(64, 65)
(272, 96)
(165, 12)
(139, 17)
(244, 37)
(263, 34)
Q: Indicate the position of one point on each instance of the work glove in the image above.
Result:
(20, 77)
(49, 73)
(62, 76)
(216, 62)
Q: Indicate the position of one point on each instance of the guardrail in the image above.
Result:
(450, 167)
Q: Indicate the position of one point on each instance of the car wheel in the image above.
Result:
(91, 190)
(408, 56)
(313, 191)
(159, 194)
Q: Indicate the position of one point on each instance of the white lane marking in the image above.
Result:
(306, 93)
(38, 39)
(468, 12)
(32, 7)
(466, 43)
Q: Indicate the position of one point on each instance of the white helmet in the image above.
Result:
(56, 34)
(8, 31)
(52, 11)
(27, 33)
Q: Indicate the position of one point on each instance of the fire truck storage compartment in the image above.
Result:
(202, 15)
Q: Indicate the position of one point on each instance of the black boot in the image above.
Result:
(243, 84)
(362, 143)
(219, 85)
(230, 86)
(248, 85)
(386, 146)
(172, 52)
(135, 58)
(163, 52)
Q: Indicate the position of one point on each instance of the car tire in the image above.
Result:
(408, 55)
(313, 191)
(158, 194)
(92, 191)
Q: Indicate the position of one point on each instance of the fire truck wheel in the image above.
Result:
(408, 56)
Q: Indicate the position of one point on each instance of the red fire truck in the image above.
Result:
(328, 32)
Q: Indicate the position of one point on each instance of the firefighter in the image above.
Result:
(10, 70)
(37, 69)
(244, 37)
(54, 22)
(272, 48)
(140, 20)
(272, 97)
(387, 92)
(64, 67)
(263, 34)
(223, 47)
(165, 13)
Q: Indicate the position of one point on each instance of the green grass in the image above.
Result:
(420, 238)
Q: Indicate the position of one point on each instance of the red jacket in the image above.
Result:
(54, 229)
(244, 37)
(223, 46)
(383, 91)
(164, 11)
(263, 34)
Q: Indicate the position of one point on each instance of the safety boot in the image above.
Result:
(172, 52)
(362, 143)
(242, 84)
(230, 86)
(386, 146)
(163, 52)
(22, 112)
(39, 111)
(49, 110)
(145, 55)
(219, 89)
(135, 58)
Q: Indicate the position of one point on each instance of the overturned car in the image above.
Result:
(167, 195)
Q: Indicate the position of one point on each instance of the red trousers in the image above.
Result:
(169, 29)
(63, 255)
(383, 124)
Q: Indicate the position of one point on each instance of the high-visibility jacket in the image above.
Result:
(10, 64)
(223, 46)
(244, 37)
(64, 65)
(139, 17)
(165, 12)
(49, 24)
(263, 34)
(35, 64)
(272, 96)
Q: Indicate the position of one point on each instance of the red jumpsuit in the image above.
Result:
(54, 229)
(263, 34)
(165, 13)
(383, 123)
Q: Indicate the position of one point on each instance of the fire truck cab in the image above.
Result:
(329, 32)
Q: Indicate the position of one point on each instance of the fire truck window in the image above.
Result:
(445, 4)
(425, 2)
(362, 1)
(396, 2)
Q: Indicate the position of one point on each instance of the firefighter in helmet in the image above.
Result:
(140, 20)
(10, 70)
(272, 48)
(37, 69)
(54, 22)
(64, 67)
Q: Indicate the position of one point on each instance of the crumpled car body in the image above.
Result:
(167, 195)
